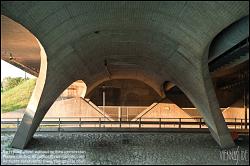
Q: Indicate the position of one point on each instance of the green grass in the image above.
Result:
(17, 97)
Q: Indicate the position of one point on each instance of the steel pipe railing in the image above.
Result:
(235, 123)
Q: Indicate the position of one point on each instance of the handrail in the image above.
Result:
(139, 118)
(142, 121)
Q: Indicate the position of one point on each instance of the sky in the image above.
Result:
(8, 70)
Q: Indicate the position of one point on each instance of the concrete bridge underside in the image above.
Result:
(152, 42)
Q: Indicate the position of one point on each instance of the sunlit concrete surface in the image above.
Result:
(123, 148)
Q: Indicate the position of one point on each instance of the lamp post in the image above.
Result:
(104, 88)
(246, 104)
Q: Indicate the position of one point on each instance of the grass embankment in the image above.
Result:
(17, 97)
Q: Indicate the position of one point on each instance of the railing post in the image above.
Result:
(17, 124)
(59, 124)
(99, 122)
(120, 122)
(80, 122)
(235, 123)
(140, 123)
(241, 124)
(200, 122)
(179, 122)
(246, 102)
(127, 113)
(160, 122)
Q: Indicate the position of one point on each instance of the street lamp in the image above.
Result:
(104, 98)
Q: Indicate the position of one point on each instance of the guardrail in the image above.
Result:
(100, 122)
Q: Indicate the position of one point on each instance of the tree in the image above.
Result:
(9, 82)
(1, 86)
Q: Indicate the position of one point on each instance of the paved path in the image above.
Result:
(122, 148)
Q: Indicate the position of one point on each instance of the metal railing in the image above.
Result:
(102, 122)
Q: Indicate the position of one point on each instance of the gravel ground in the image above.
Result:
(122, 148)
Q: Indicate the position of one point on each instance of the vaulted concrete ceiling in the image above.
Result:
(134, 39)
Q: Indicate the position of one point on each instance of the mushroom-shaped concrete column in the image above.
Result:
(49, 85)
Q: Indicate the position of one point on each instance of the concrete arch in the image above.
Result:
(47, 89)
(153, 83)
(197, 85)
(118, 90)
(200, 84)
